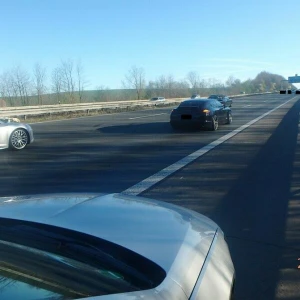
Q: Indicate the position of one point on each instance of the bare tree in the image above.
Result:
(57, 83)
(167, 86)
(161, 83)
(81, 83)
(21, 84)
(135, 79)
(202, 84)
(230, 81)
(67, 78)
(170, 85)
(39, 74)
(6, 87)
(103, 93)
(193, 79)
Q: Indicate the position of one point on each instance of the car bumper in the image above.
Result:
(195, 123)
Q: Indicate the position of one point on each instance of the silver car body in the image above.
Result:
(188, 246)
(6, 129)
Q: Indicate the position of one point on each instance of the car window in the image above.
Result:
(217, 104)
(193, 103)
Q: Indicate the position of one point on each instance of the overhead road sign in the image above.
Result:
(294, 79)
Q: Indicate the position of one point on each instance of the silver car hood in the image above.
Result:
(176, 239)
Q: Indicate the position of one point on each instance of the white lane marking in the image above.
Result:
(247, 105)
(148, 116)
(161, 175)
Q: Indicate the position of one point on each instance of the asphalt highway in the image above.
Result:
(249, 184)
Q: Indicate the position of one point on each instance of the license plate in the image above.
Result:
(186, 117)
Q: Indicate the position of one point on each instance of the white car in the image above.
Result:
(14, 135)
(195, 96)
(110, 246)
(158, 99)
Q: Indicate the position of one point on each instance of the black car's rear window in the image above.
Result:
(213, 97)
(194, 103)
(43, 261)
(216, 97)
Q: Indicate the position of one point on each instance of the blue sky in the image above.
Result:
(215, 38)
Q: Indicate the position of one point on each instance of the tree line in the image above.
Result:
(67, 83)
(168, 87)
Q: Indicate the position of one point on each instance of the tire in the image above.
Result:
(229, 118)
(19, 139)
(215, 123)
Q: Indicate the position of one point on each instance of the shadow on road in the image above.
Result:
(255, 215)
(150, 128)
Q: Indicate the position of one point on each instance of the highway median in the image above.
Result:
(66, 111)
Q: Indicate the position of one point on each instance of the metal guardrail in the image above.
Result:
(34, 110)
(47, 110)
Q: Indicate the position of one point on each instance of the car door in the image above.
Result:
(220, 111)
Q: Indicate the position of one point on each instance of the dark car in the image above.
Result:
(207, 113)
(225, 100)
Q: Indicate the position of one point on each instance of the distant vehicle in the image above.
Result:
(207, 113)
(158, 99)
(14, 135)
(195, 96)
(225, 100)
(127, 248)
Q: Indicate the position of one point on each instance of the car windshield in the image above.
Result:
(79, 113)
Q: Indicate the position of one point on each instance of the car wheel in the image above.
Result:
(215, 123)
(229, 118)
(174, 126)
(18, 139)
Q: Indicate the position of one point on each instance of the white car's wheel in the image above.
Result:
(18, 139)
